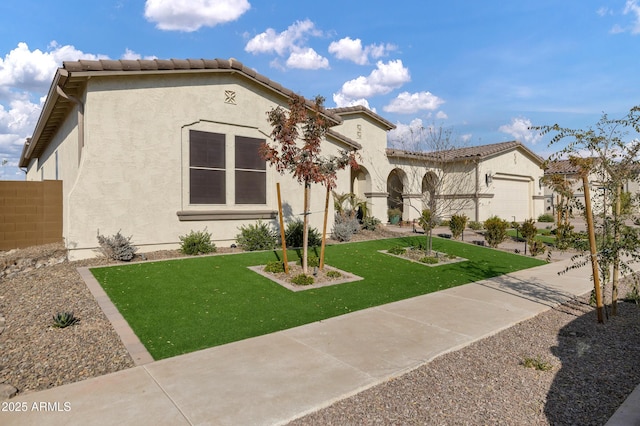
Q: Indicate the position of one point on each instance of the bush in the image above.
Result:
(333, 274)
(274, 266)
(546, 217)
(195, 243)
(397, 250)
(302, 279)
(536, 247)
(429, 260)
(294, 232)
(257, 237)
(476, 226)
(344, 227)
(312, 261)
(370, 223)
(496, 231)
(457, 224)
(117, 247)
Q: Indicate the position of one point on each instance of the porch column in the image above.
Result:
(377, 204)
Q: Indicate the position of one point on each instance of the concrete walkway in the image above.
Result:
(275, 378)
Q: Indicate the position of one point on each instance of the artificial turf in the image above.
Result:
(180, 306)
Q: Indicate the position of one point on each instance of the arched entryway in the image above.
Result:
(395, 189)
(429, 189)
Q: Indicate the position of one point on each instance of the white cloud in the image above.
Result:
(342, 101)
(131, 55)
(519, 128)
(307, 59)
(409, 103)
(385, 78)
(632, 7)
(24, 69)
(604, 11)
(191, 15)
(441, 115)
(291, 43)
(352, 50)
(466, 137)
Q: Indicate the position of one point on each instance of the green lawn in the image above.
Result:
(543, 236)
(180, 306)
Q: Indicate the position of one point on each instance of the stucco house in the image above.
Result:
(156, 148)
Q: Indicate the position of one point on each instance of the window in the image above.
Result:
(251, 171)
(207, 180)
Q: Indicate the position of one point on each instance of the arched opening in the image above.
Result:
(395, 189)
(360, 182)
(429, 188)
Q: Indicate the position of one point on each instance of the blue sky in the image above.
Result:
(488, 70)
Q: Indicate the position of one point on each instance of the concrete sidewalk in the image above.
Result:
(275, 378)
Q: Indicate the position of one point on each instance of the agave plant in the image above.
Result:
(64, 319)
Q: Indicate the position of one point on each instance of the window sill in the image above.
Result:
(187, 216)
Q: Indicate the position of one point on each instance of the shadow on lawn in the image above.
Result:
(599, 368)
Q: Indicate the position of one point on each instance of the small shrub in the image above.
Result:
(64, 319)
(275, 267)
(117, 247)
(536, 363)
(429, 260)
(344, 227)
(195, 243)
(633, 295)
(257, 237)
(302, 279)
(446, 223)
(546, 217)
(476, 226)
(312, 261)
(397, 251)
(333, 274)
(496, 231)
(536, 247)
(451, 256)
(293, 235)
(370, 223)
(395, 212)
(457, 224)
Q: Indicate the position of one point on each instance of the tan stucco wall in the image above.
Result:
(132, 175)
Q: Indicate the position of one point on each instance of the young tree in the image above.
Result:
(449, 182)
(612, 147)
(297, 136)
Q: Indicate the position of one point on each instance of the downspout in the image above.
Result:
(477, 192)
(80, 118)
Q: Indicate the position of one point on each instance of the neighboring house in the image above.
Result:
(156, 148)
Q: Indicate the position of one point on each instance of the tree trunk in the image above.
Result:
(616, 256)
(305, 229)
(324, 229)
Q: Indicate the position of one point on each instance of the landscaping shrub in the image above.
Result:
(344, 227)
(476, 226)
(546, 217)
(302, 279)
(397, 250)
(275, 267)
(312, 261)
(370, 223)
(294, 232)
(457, 224)
(195, 243)
(257, 237)
(496, 230)
(536, 247)
(117, 247)
(64, 319)
(333, 274)
(429, 260)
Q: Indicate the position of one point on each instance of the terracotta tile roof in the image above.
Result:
(563, 167)
(479, 152)
(70, 80)
(358, 109)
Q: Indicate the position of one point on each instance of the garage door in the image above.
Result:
(511, 199)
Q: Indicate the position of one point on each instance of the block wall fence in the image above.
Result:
(30, 213)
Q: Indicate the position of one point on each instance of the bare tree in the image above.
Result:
(435, 163)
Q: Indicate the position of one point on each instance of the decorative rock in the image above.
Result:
(7, 391)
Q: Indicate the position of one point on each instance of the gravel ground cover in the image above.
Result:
(593, 366)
